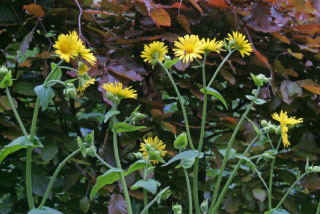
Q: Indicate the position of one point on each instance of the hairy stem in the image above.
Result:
(233, 174)
(118, 163)
(102, 161)
(203, 123)
(270, 178)
(54, 176)
(181, 104)
(225, 159)
(219, 67)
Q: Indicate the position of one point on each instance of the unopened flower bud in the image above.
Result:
(138, 155)
(181, 142)
(137, 116)
(278, 130)
(70, 91)
(264, 123)
(272, 128)
(177, 209)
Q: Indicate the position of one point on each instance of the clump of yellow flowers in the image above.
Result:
(284, 122)
(190, 47)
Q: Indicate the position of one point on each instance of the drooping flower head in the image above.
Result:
(117, 90)
(84, 82)
(284, 121)
(71, 46)
(238, 41)
(212, 45)
(82, 68)
(188, 48)
(154, 51)
(66, 47)
(152, 146)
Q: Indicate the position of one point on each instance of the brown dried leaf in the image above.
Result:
(289, 91)
(196, 5)
(228, 76)
(184, 22)
(219, 3)
(311, 86)
(117, 204)
(35, 10)
(160, 16)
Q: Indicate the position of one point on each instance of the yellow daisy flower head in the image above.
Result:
(284, 121)
(116, 90)
(86, 54)
(154, 51)
(188, 48)
(238, 41)
(210, 45)
(84, 82)
(151, 146)
(66, 47)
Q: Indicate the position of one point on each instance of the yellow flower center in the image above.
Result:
(64, 48)
(189, 49)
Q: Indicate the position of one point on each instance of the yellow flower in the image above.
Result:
(212, 45)
(84, 82)
(152, 145)
(66, 47)
(116, 89)
(284, 121)
(71, 46)
(239, 42)
(154, 51)
(188, 48)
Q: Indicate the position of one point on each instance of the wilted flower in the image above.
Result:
(84, 82)
(284, 121)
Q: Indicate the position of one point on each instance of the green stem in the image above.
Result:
(270, 178)
(219, 67)
(318, 209)
(181, 104)
(54, 176)
(68, 68)
(225, 159)
(53, 81)
(102, 161)
(118, 163)
(145, 193)
(29, 149)
(16, 113)
(203, 123)
(233, 174)
(189, 190)
(289, 190)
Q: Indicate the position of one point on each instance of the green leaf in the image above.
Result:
(56, 74)
(170, 63)
(108, 177)
(84, 204)
(277, 211)
(139, 164)
(44, 210)
(109, 114)
(254, 126)
(126, 127)
(149, 184)
(259, 194)
(215, 93)
(19, 143)
(6, 81)
(256, 81)
(45, 95)
(257, 101)
(24, 88)
(190, 154)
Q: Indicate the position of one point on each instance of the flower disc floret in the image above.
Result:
(238, 42)
(284, 121)
(211, 45)
(188, 48)
(152, 145)
(154, 51)
(117, 90)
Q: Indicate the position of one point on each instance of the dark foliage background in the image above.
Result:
(286, 39)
